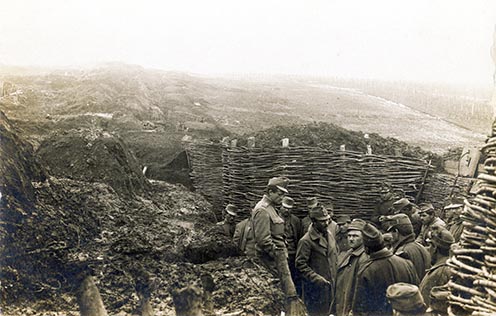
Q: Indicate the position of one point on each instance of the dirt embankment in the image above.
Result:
(152, 239)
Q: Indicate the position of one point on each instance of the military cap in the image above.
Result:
(426, 207)
(357, 224)
(401, 204)
(442, 238)
(343, 219)
(372, 236)
(279, 182)
(319, 213)
(439, 299)
(392, 221)
(287, 202)
(405, 297)
(312, 202)
(231, 209)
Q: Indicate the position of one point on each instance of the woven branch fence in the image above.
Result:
(473, 263)
(349, 180)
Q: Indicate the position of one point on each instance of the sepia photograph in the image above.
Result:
(248, 158)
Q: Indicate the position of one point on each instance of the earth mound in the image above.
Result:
(331, 136)
(93, 155)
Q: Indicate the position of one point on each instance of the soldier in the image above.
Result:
(229, 223)
(406, 300)
(293, 231)
(440, 243)
(342, 233)
(316, 259)
(268, 229)
(385, 202)
(439, 300)
(243, 237)
(452, 214)
(381, 270)
(429, 220)
(306, 221)
(348, 268)
(404, 206)
(404, 244)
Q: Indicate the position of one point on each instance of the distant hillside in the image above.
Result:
(153, 110)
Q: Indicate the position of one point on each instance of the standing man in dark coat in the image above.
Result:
(342, 233)
(404, 244)
(383, 269)
(293, 231)
(440, 243)
(348, 268)
(306, 221)
(316, 258)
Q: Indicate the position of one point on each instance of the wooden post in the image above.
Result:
(188, 301)
(251, 142)
(89, 299)
(285, 142)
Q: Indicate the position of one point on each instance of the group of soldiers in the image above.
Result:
(394, 264)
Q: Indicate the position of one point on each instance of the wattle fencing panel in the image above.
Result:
(351, 181)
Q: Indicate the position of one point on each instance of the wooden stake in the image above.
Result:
(89, 299)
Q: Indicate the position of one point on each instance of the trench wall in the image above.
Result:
(349, 180)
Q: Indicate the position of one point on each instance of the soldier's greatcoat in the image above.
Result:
(346, 279)
(317, 257)
(374, 277)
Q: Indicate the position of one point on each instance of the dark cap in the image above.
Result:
(401, 204)
(279, 182)
(426, 207)
(231, 209)
(343, 219)
(312, 202)
(439, 299)
(405, 297)
(287, 202)
(319, 213)
(357, 224)
(441, 237)
(372, 236)
(391, 221)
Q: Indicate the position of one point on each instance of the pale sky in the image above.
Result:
(421, 40)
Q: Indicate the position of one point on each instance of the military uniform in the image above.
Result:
(409, 249)
(426, 230)
(243, 237)
(406, 300)
(316, 259)
(346, 279)
(381, 270)
(455, 227)
(268, 228)
(438, 275)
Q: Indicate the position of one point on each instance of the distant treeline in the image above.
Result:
(465, 106)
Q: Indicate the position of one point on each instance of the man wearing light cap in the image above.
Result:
(229, 223)
(293, 231)
(452, 214)
(381, 270)
(404, 244)
(316, 259)
(268, 229)
(440, 242)
(406, 300)
(429, 221)
(348, 267)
